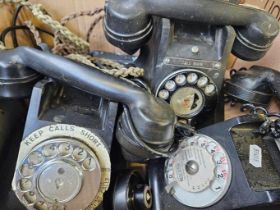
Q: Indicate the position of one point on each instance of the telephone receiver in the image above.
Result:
(152, 118)
(255, 29)
(256, 85)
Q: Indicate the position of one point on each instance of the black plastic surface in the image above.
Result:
(256, 85)
(239, 195)
(47, 102)
(256, 29)
(153, 118)
(170, 50)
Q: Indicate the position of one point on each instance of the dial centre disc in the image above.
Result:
(194, 168)
(187, 102)
(60, 181)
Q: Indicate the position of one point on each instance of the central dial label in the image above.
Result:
(187, 101)
(60, 181)
(193, 168)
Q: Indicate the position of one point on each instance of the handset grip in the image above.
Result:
(255, 85)
(153, 119)
(255, 29)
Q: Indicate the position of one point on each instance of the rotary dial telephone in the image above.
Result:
(93, 141)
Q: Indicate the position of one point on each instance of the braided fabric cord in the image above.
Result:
(73, 16)
(37, 11)
(71, 46)
(34, 31)
(62, 44)
(92, 26)
(117, 69)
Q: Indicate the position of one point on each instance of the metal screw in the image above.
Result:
(166, 60)
(216, 75)
(58, 118)
(195, 50)
(217, 65)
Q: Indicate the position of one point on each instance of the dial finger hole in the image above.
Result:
(212, 147)
(222, 173)
(89, 164)
(210, 90)
(29, 197)
(202, 82)
(170, 85)
(164, 94)
(40, 205)
(192, 78)
(181, 79)
(192, 142)
(202, 142)
(49, 150)
(79, 154)
(27, 170)
(220, 158)
(216, 186)
(25, 184)
(35, 158)
(65, 149)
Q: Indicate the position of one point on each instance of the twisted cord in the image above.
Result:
(34, 31)
(117, 70)
(92, 26)
(70, 45)
(73, 16)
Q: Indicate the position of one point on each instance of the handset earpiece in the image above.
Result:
(255, 29)
(256, 85)
(152, 118)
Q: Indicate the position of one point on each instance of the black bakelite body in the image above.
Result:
(152, 118)
(255, 29)
(239, 190)
(53, 103)
(256, 85)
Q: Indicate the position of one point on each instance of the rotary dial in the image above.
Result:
(199, 173)
(69, 171)
(187, 91)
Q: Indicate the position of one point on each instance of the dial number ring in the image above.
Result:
(212, 180)
(49, 147)
(188, 91)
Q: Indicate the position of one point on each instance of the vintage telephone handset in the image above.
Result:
(185, 47)
(255, 29)
(151, 117)
(64, 159)
(256, 85)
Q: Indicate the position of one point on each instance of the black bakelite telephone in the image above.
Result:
(79, 145)
(256, 85)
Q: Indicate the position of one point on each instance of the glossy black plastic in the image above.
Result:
(16, 80)
(51, 104)
(128, 23)
(240, 195)
(256, 85)
(153, 118)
